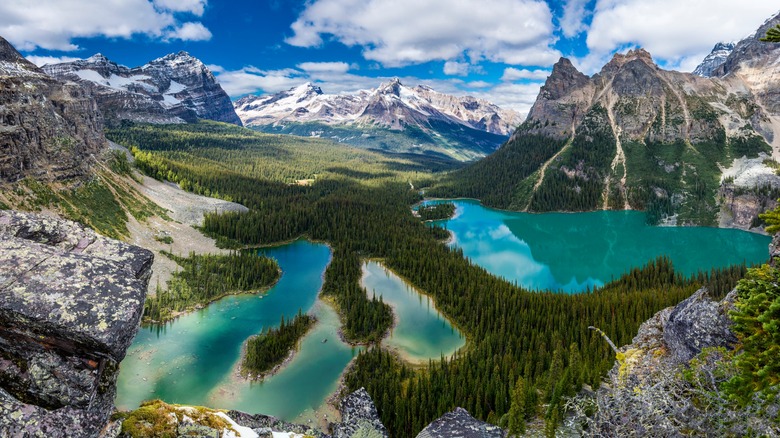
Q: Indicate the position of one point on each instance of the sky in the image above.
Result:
(499, 50)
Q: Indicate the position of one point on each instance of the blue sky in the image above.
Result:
(500, 50)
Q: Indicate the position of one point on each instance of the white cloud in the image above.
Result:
(53, 24)
(403, 32)
(189, 32)
(519, 97)
(573, 20)
(195, 7)
(315, 67)
(479, 84)
(454, 68)
(515, 74)
(678, 33)
(40, 61)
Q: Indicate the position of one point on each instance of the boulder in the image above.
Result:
(460, 424)
(697, 323)
(70, 304)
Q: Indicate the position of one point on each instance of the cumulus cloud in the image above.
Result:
(519, 97)
(678, 33)
(454, 68)
(573, 20)
(402, 32)
(324, 67)
(53, 24)
(189, 32)
(40, 61)
(515, 74)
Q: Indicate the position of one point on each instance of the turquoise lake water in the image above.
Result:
(192, 360)
(421, 332)
(575, 251)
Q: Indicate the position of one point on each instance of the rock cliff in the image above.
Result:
(176, 88)
(49, 130)
(460, 424)
(636, 136)
(70, 304)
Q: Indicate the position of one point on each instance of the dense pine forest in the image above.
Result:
(270, 348)
(205, 278)
(435, 212)
(513, 335)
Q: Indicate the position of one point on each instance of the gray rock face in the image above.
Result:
(70, 305)
(359, 418)
(48, 129)
(460, 424)
(176, 88)
(265, 424)
(698, 323)
(715, 59)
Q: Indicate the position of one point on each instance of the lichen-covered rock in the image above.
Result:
(697, 323)
(359, 418)
(70, 305)
(460, 424)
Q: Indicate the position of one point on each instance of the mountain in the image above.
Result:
(718, 56)
(635, 136)
(393, 117)
(176, 88)
(49, 129)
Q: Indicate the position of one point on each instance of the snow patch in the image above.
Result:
(751, 172)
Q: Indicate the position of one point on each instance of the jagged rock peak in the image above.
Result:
(619, 60)
(393, 86)
(718, 56)
(459, 423)
(563, 79)
(9, 54)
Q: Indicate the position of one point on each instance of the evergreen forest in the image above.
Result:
(524, 349)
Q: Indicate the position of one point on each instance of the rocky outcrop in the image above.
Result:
(359, 418)
(715, 59)
(176, 88)
(70, 304)
(698, 323)
(49, 130)
(460, 424)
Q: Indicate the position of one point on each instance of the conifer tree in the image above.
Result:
(517, 409)
(772, 35)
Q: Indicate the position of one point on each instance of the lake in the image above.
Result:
(574, 251)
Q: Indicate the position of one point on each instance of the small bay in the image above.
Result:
(421, 332)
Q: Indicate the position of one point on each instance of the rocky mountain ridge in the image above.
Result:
(176, 88)
(426, 116)
(715, 59)
(391, 104)
(635, 136)
(49, 129)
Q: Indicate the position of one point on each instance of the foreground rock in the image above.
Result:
(70, 305)
(359, 417)
(667, 381)
(460, 424)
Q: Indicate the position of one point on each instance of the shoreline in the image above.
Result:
(246, 376)
(200, 306)
(400, 355)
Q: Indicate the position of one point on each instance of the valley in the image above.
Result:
(448, 253)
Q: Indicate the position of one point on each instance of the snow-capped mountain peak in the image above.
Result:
(391, 104)
(715, 59)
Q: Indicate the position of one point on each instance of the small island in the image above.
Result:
(266, 351)
(436, 212)
(206, 278)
